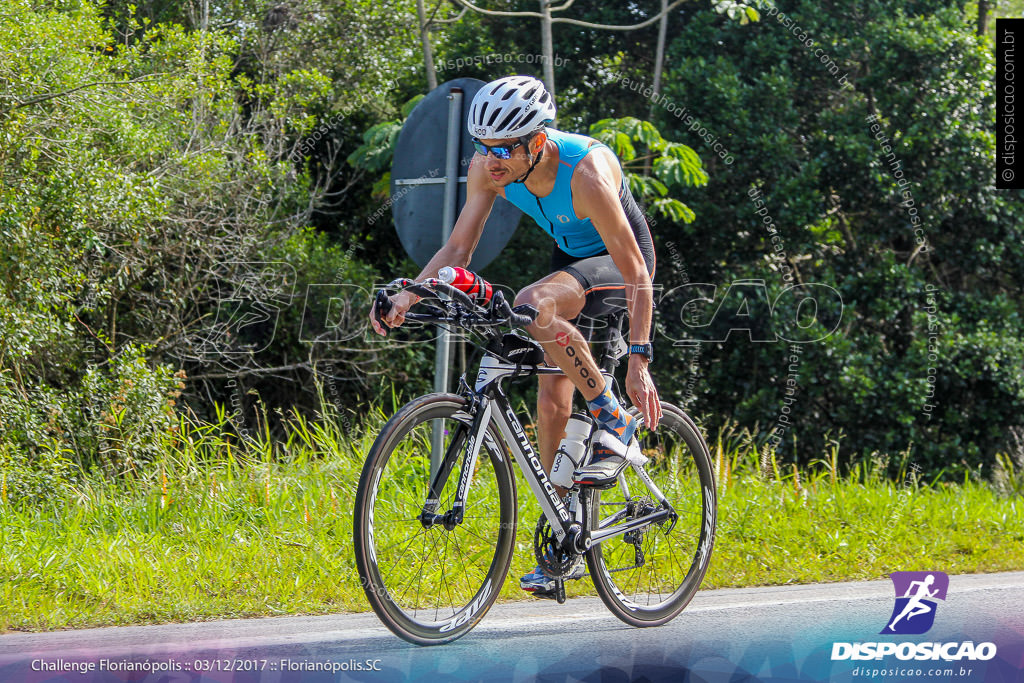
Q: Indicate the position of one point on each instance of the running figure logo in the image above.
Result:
(914, 612)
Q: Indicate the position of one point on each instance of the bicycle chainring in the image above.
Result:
(552, 560)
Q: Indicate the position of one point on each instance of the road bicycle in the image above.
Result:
(434, 536)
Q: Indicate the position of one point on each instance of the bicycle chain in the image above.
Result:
(545, 538)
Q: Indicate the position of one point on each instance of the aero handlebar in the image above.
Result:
(457, 307)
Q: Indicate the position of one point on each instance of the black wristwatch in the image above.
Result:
(645, 350)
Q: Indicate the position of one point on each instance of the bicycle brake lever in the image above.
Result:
(381, 307)
(522, 315)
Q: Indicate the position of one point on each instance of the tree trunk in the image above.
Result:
(428, 53)
(659, 56)
(547, 46)
(984, 6)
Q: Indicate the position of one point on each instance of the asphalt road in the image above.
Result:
(764, 634)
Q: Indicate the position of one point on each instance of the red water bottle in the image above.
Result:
(467, 281)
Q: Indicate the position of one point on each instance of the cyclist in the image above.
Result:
(602, 261)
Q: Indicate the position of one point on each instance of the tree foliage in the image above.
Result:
(184, 187)
(902, 220)
(153, 218)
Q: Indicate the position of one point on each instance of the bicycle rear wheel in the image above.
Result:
(646, 577)
(431, 585)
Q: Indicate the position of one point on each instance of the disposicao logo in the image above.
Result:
(914, 614)
(916, 593)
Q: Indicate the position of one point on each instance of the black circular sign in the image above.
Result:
(417, 180)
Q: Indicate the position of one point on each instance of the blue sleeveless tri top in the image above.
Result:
(554, 213)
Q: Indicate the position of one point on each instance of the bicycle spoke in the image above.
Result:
(419, 576)
(470, 531)
(418, 532)
(465, 563)
(444, 574)
(398, 564)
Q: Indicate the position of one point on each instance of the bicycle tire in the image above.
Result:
(392, 490)
(680, 465)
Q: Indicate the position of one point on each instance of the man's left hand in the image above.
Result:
(641, 391)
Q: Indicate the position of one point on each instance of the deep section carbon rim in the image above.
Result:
(431, 585)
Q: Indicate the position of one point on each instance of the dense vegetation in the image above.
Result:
(214, 531)
(186, 187)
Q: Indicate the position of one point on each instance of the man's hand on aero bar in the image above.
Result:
(400, 305)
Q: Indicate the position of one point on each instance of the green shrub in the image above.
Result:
(44, 475)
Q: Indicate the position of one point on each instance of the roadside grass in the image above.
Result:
(222, 529)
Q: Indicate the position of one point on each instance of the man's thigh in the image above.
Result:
(560, 289)
(604, 292)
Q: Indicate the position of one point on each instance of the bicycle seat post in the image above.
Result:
(605, 349)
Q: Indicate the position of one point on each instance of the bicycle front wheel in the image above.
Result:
(432, 584)
(647, 576)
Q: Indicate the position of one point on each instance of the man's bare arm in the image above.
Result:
(596, 196)
(458, 250)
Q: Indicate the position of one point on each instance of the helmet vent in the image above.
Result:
(511, 117)
(510, 107)
(531, 117)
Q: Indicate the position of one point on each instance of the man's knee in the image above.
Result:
(542, 301)
(536, 297)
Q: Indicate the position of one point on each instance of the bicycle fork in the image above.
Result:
(468, 440)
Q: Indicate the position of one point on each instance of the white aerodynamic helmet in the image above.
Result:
(510, 107)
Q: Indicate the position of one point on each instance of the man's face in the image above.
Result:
(501, 172)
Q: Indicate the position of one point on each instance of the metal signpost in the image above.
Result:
(447, 223)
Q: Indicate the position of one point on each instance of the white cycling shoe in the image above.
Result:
(610, 458)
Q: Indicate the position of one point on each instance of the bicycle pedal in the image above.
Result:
(599, 484)
(543, 594)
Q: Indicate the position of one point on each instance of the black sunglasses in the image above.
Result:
(499, 151)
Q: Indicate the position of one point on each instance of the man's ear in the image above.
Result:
(538, 141)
